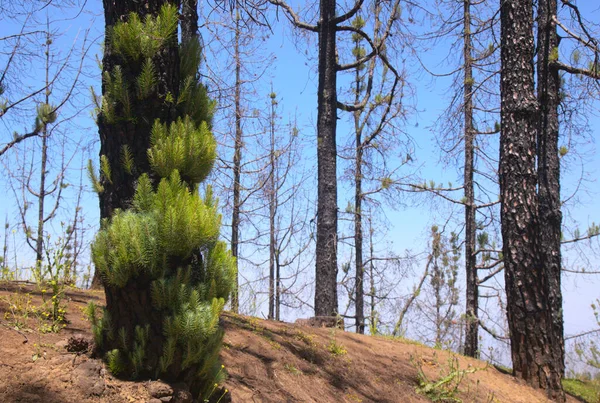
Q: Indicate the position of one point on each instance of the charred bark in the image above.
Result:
(326, 303)
(526, 280)
(237, 163)
(550, 214)
(359, 299)
(128, 306)
(114, 136)
(472, 290)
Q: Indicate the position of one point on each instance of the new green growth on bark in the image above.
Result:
(165, 245)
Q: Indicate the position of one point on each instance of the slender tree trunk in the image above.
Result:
(189, 19)
(272, 210)
(550, 214)
(373, 313)
(39, 241)
(359, 300)
(472, 292)
(277, 287)
(237, 164)
(326, 303)
(526, 280)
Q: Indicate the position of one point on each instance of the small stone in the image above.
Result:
(182, 396)
(166, 399)
(61, 344)
(88, 378)
(154, 400)
(159, 389)
(30, 397)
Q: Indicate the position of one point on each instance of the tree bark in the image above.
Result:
(272, 210)
(326, 303)
(359, 300)
(128, 306)
(526, 280)
(237, 164)
(472, 291)
(189, 20)
(120, 187)
(550, 214)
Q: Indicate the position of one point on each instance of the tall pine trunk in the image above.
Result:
(550, 214)
(272, 210)
(526, 280)
(472, 292)
(359, 300)
(326, 303)
(237, 163)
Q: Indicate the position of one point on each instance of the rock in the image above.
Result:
(30, 397)
(88, 379)
(61, 344)
(159, 389)
(182, 396)
(166, 399)
(154, 400)
(64, 378)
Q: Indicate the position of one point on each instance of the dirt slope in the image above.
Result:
(265, 362)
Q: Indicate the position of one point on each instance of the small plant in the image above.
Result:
(19, 308)
(53, 308)
(446, 388)
(588, 390)
(38, 353)
(291, 368)
(306, 338)
(353, 397)
(219, 377)
(335, 348)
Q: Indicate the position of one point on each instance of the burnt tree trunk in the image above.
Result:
(189, 20)
(119, 190)
(128, 306)
(526, 280)
(272, 188)
(237, 164)
(550, 214)
(359, 300)
(326, 303)
(472, 291)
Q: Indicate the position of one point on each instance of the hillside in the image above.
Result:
(265, 362)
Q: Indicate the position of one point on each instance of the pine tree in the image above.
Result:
(530, 297)
(165, 273)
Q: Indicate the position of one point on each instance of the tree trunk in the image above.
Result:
(237, 168)
(550, 215)
(526, 280)
(359, 300)
(128, 306)
(472, 292)
(272, 210)
(120, 187)
(189, 20)
(373, 311)
(326, 303)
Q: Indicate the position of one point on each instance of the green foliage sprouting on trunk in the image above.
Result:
(166, 274)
